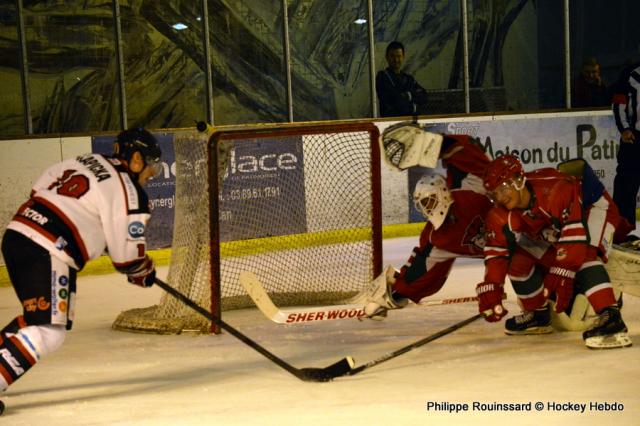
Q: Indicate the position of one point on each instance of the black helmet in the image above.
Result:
(138, 139)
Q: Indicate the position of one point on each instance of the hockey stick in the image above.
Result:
(326, 374)
(265, 304)
(414, 345)
(259, 295)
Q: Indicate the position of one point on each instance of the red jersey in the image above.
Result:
(462, 233)
(556, 215)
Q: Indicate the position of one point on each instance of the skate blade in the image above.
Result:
(533, 330)
(613, 341)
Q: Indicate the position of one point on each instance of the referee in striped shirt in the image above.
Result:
(626, 111)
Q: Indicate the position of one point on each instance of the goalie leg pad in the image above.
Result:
(623, 268)
(581, 317)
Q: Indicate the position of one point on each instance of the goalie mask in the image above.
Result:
(408, 144)
(432, 198)
(140, 140)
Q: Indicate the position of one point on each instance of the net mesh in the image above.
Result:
(294, 208)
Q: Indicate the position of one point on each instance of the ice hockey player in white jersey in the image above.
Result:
(77, 209)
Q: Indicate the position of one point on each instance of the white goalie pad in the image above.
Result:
(582, 316)
(623, 268)
(408, 145)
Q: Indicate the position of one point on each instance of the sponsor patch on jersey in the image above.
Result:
(35, 304)
(131, 192)
(136, 230)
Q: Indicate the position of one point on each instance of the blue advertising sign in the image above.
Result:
(161, 190)
(264, 181)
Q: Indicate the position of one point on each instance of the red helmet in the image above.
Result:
(502, 169)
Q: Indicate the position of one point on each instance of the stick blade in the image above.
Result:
(338, 369)
(256, 291)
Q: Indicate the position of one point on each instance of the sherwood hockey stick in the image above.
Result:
(259, 295)
(412, 346)
(265, 304)
(326, 374)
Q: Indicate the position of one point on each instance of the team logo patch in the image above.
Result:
(63, 293)
(561, 254)
(474, 235)
(63, 280)
(136, 230)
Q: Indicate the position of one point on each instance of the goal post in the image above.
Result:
(299, 205)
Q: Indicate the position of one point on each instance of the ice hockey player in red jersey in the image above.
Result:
(570, 221)
(454, 228)
(76, 210)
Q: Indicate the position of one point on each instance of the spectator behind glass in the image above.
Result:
(588, 89)
(398, 92)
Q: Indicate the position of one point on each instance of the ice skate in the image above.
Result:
(609, 331)
(534, 322)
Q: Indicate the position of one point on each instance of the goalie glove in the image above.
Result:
(560, 281)
(408, 144)
(490, 298)
(380, 298)
(144, 275)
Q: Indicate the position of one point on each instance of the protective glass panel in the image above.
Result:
(163, 51)
(72, 66)
(330, 60)
(429, 33)
(515, 55)
(12, 111)
(600, 52)
(249, 82)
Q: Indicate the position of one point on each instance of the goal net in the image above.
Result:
(298, 205)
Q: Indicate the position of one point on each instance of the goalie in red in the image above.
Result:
(77, 209)
(575, 220)
(455, 218)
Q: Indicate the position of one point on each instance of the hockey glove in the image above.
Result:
(380, 296)
(144, 274)
(490, 298)
(560, 281)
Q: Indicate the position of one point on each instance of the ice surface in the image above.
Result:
(101, 376)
